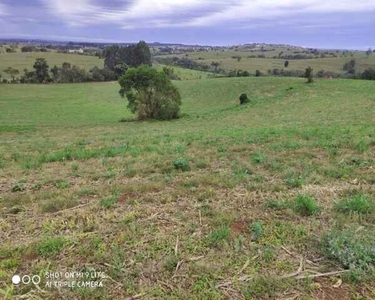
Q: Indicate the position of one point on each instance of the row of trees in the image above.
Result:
(66, 73)
(116, 60)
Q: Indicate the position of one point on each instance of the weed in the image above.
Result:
(352, 249)
(218, 236)
(18, 187)
(109, 201)
(256, 230)
(61, 184)
(10, 264)
(50, 246)
(181, 164)
(258, 157)
(359, 203)
(306, 205)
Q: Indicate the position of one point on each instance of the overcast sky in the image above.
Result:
(315, 23)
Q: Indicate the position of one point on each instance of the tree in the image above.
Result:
(28, 48)
(309, 74)
(119, 59)
(41, 70)
(286, 64)
(150, 93)
(55, 73)
(28, 77)
(257, 73)
(215, 64)
(349, 67)
(12, 72)
(368, 74)
(369, 52)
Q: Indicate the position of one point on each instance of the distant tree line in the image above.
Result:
(116, 63)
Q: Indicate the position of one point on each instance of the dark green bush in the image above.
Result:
(244, 99)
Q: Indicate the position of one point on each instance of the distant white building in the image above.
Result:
(76, 51)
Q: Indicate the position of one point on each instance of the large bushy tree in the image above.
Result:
(150, 93)
(119, 59)
(12, 72)
(41, 70)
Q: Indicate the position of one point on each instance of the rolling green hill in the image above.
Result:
(228, 201)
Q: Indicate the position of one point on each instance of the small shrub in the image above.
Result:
(50, 246)
(256, 230)
(359, 203)
(18, 187)
(181, 164)
(75, 167)
(258, 157)
(305, 205)
(171, 263)
(352, 249)
(108, 202)
(217, 237)
(10, 264)
(244, 99)
(61, 184)
(294, 182)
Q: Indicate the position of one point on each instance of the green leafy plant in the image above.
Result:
(181, 164)
(305, 205)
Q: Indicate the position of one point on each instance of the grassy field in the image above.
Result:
(227, 202)
(22, 60)
(186, 74)
(227, 62)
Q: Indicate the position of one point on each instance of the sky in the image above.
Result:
(332, 24)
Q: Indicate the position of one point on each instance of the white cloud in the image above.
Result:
(3, 9)
(177, 13)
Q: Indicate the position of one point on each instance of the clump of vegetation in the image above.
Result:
(244, 99)
(256, 230)
(306, 205)
(50, 246)
(109, 201)
(150, 94)
(358, 203)
(218, 236)
(18, 187)
(353, 249)
(181, 164)
(309, 74)
(258, 157)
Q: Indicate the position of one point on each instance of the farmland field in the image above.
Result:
(22, 60)
(228, 61)
(227, 202)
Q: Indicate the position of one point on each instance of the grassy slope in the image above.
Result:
(186, 74)
(26, 60)
(62, 146)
